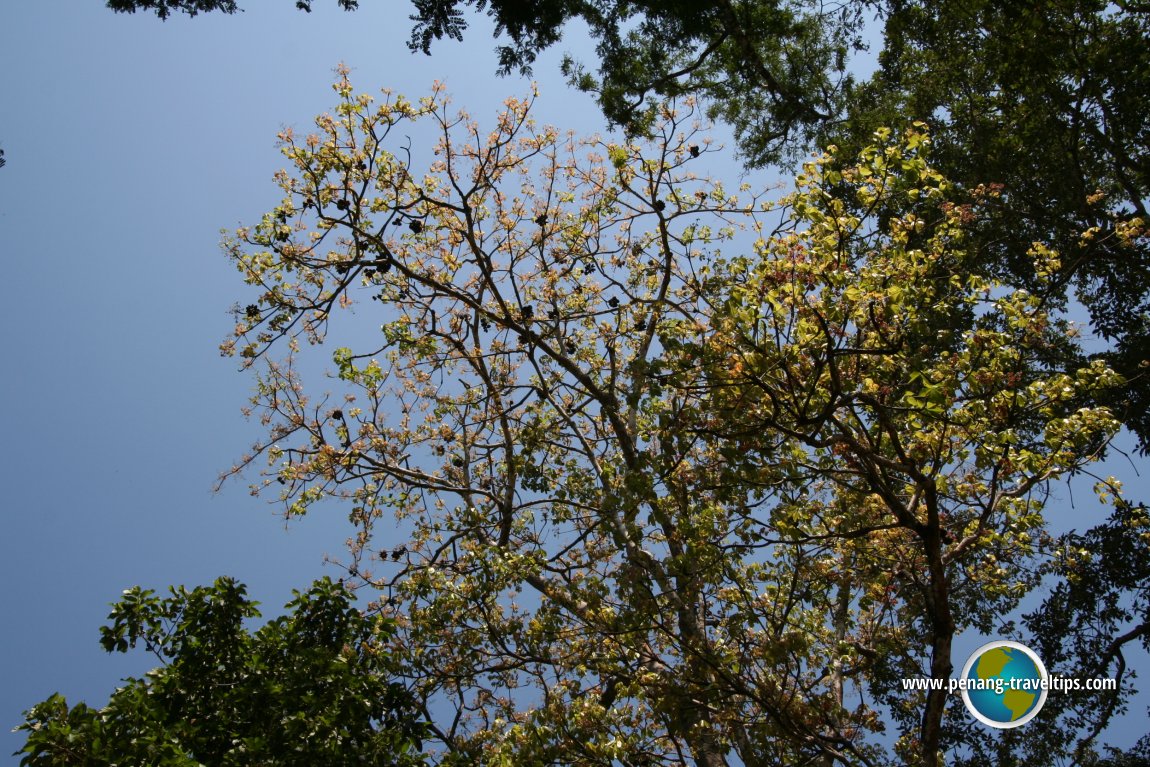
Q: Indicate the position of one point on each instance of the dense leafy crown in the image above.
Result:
(312, 687)
(687, 475)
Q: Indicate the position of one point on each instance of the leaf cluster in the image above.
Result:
(164, 8)
(1046, 105)
(311, 687)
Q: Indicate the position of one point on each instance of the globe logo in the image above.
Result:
(1004, 684)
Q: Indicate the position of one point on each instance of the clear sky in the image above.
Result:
(130, 144)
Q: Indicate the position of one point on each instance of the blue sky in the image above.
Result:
(130, 144)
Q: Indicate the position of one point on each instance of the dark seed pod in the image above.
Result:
(342, 204)
(252, 311)
(570, 347)
(694, 150)
(398, 552)
(337, 414)
(660, 205)
(612, 302)
(415, 226)
(541, 219)
(457, 462)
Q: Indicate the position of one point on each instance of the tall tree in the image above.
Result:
(667, 504)
(1043, 102)
(312, 687)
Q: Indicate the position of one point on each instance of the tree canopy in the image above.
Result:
(312, 687)
(1048, 103)
(690, 475)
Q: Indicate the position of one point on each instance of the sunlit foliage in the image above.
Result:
(682, 474)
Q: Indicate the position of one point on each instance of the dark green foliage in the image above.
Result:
(313, 687)
(1092, 620)
(164, 8)
(1096, 616)
(1046, 101)
(347, 5)
(1139, 756)
(774, 70)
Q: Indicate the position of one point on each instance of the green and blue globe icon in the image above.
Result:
(1004, 684)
